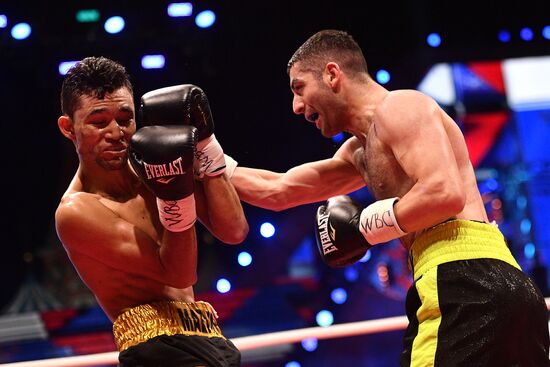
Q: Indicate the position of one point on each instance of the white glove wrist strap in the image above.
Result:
(378, 224)
(209, 159)
(230, 166)
(177, 215)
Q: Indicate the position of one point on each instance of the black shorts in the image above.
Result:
(470, 304)
(173, 334)
(182, 351)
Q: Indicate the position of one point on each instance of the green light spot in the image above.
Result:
(87, 15)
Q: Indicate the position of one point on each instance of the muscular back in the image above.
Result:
(393, 161)
(115, 245)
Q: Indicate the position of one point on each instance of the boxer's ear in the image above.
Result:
(65, 125)
(332, 75)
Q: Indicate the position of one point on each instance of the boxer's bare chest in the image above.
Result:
(382, 173)
(137, 211)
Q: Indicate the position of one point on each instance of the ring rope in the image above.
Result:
(248, 342)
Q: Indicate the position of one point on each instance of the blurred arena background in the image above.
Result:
(486, 62)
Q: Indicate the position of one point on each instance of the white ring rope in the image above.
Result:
(247, 342)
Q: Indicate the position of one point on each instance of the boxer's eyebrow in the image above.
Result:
(126, 109)
(96, 111)
(293, 83)
(100, 110)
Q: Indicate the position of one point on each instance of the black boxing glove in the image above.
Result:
(345, 231)
(186, 104)
(338, 237)
(162, 157)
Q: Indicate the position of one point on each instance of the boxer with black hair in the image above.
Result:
(129, 229)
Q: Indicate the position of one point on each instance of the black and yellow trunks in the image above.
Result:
(458, 240)
(144, 322)
(470, 303)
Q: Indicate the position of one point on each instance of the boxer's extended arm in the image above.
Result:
(87, 228)
(411, 125)
(303, 184)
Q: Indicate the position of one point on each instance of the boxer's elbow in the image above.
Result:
(440, 196)
(181, 282)
(455, 202)
(237, 234)
(451, 198)
(178, 276)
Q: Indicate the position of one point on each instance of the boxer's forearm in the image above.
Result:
(304, 184)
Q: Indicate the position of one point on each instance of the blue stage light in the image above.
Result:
(223, 285)
(267, 230)
(529, 250)
(244, 258)
(526, 34)
(504, 36)
(153, 61)
(205, 19)
(3, 21)
(433, 39)
(324, 318)
(521, 202)
(491, 184)
(180, 9)
(351, 274)
(293, 364)
(546, 32)
(20, 31)
(339, 296)
(309, 344)
(65, 66)
(114, 24)
(525, 226)
(338, 138)
(366, 257)
(383, 76)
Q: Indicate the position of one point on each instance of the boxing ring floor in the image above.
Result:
(248, 342)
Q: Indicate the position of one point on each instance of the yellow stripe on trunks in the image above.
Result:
(429, 319)
(458, 240)
(446, 242)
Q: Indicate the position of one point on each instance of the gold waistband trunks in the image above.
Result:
(141, 323)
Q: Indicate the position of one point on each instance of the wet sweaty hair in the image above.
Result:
(92, 76)
(326, 46)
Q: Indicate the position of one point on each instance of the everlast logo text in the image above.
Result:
(326, 241)
(166, 169)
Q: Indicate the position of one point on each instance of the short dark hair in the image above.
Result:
(93, 76)
(330, 45)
